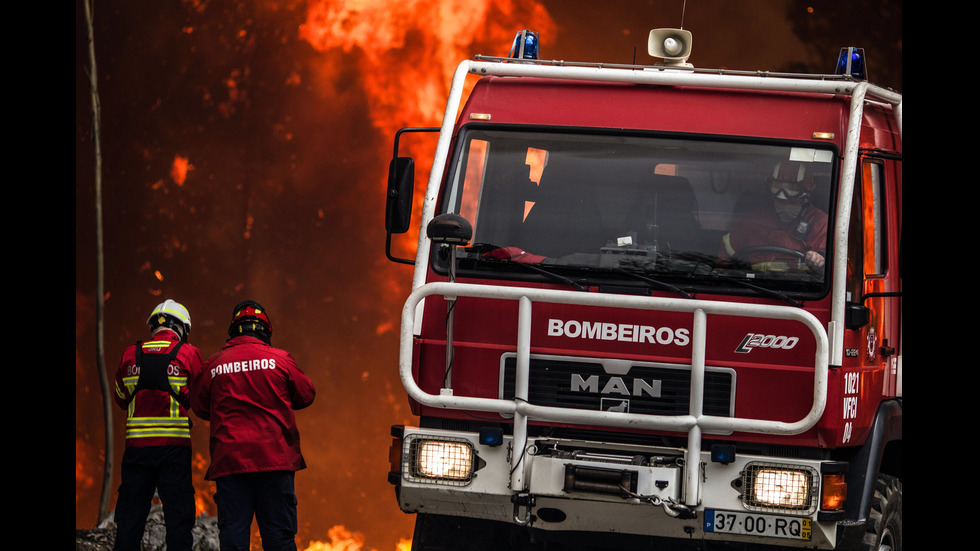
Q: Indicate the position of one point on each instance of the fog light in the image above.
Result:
(773, 487)
(441, 461)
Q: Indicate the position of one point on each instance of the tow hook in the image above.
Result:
(678, 510)
(675, 510)
(525, 501)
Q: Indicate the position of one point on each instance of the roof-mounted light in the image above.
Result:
(525, 45)
(672, 45)
(852, 62)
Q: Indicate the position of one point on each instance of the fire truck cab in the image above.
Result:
(654, 304)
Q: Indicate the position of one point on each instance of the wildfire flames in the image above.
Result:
(408, 51)
(244, 155)
(342, 539)
(399, 56)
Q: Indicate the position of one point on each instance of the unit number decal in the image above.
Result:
(852, 387)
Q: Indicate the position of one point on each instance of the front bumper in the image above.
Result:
(579, 486)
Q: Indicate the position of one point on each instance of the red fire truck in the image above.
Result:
(654, 306)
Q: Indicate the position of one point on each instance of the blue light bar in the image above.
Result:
(525, 45)
(852, 62)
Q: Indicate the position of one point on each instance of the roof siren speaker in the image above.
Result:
(672, 45)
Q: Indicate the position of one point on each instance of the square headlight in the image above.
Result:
(778, 487)
(440, 460)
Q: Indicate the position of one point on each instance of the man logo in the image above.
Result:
(615, 385)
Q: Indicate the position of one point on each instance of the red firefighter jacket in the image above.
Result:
(155, 417)
(249, 391)
(807, 233)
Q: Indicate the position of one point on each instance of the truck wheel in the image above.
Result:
(884, 526)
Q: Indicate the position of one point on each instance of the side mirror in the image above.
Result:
(400, 194)
(401, 185)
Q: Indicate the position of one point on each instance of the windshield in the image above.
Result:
(599, 208)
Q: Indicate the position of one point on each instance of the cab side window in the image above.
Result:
(867, 253)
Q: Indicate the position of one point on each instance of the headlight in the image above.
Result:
(445, 461)
(775, 487)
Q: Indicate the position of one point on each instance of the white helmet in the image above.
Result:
(173, 315)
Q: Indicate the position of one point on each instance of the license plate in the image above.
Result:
(754, 524)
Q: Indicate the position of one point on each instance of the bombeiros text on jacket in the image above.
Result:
(248, 365)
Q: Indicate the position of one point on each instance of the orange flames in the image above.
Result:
(178, 172)
(407, 51)
(188, 79)
(401, 54)
(342, 539)
(82, 478)
(203, 489)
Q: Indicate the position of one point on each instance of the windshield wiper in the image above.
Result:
(662, 285)
(549, 274)
(771, 293)
(483, 249)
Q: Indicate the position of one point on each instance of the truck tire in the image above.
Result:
(884, 526)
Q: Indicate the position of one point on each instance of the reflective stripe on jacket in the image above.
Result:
(154, 417)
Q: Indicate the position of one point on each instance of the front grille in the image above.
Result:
(646, 388)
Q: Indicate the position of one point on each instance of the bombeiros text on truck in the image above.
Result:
(653, 304)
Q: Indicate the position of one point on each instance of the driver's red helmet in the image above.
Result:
(790, 179)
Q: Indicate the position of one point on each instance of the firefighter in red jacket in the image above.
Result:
(249, 391)
(151, 384)
(789, 234)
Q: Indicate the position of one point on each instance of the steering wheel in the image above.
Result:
(768, 249)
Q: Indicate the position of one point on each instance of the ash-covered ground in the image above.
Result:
(103, 536)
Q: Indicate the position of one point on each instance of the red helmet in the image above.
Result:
(249, 317)
(791, 179)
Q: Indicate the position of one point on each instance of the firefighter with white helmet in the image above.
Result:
(173, 315)
(152, 385)
(249, 391)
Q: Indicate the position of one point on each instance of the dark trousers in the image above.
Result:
(268, 496)
(166, 469)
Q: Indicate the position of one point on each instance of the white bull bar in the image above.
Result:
(694, 423)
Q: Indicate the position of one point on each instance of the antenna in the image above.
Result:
(683, 12)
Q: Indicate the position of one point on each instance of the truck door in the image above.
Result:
(874, 278)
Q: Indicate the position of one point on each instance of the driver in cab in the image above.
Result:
(791, 233)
